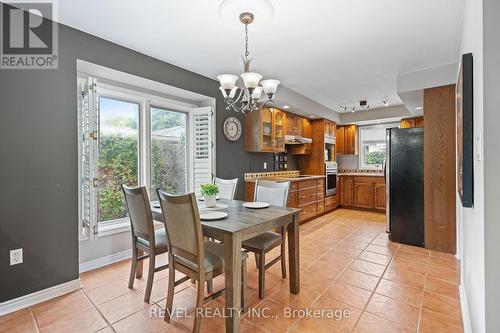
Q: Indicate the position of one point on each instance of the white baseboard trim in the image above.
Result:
(465, 310)
(39, 296)
(104, 261)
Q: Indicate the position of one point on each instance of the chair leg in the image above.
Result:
(244, 285)
(199, 304)
(138, 272)
(151, 273)
(262, 275)
(133, 268)
(283, 261)
(210, 286)
(171, 289)
(256, 259)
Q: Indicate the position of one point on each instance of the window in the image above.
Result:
(133, 138)
(372, 145)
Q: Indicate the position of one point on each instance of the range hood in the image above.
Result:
(296, 140)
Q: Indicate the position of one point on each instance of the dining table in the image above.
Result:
(241, 224)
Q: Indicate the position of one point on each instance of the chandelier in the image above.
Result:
(250, 92)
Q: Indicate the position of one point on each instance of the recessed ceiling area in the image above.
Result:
(334, 52)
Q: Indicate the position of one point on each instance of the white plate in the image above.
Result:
(211, 216)
(255, 205)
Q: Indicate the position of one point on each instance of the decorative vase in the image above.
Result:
(210, 201)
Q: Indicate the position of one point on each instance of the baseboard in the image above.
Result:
(104, 261)
(39, 296)
(465, 310)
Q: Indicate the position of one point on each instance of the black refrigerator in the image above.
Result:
(404, 176)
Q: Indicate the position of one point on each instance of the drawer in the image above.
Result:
(293, 199)
(308, 211)
(320, 206)
(307, 183)
(307, 196)
(364, 179)
(320, 196)
(293, 186)
(330, 202)
(321, 183)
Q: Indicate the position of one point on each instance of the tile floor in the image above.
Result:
(347, 265)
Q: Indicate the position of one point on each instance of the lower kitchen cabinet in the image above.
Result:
(365, 192)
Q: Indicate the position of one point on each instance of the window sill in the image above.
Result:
(108, 229)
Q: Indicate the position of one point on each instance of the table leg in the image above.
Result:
(293, 254)
(232, 254)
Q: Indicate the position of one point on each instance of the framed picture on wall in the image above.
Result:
(465, 151)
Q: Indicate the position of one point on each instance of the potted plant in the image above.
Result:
(209, 193)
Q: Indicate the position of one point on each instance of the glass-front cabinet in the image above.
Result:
(279, 130)
(265, 130)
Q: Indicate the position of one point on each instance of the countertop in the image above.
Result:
(364, 174)
(286, 178)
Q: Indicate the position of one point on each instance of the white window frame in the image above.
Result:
(361, 141)
(145, 102)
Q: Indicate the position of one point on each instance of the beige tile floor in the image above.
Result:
(347, 264)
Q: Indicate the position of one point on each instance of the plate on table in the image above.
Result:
(212, 216)
(255, 205)
(218, 206)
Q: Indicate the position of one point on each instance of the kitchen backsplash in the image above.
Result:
(255, 175)
(358, 171)
(350, 162)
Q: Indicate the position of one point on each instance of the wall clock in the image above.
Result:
(232, 128)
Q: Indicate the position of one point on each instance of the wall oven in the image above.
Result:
(331, 178)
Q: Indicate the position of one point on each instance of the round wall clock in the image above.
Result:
(232, 128)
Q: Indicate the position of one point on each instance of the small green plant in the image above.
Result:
(209, 189)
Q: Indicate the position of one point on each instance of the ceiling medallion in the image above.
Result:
(250, 92)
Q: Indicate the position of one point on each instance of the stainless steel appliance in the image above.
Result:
(331, 178)
(404, 176)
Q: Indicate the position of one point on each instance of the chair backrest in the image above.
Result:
(182, 220)
(274, 193)
(139, 210)
(227, 187)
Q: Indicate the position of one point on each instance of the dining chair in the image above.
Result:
(227, 187)
(189, 253)
(275, 194)
(145, 239)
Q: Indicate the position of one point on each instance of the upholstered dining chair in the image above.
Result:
(145, 239)
(275, 194)
(190, 253)
(227, 187)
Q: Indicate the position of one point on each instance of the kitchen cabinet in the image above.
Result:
(330, 129)
(289, 124)
(307, 194)
(347, 139)
(331, 202)
(346, 190)
(365, 192)
(412, 122)
(264, 131)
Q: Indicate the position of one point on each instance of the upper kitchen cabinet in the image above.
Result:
(297, 126)
(347, 139)
(412, 122)
(264, 131)
(330, 129)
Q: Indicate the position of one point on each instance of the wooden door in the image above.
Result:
(333, 129)
(341, 140)
(298, 125)
(346, 191)
(327, 128)
(350, 140)
(363, 195)
(290, 124)
(266, 119)
(279, 130)
(407, 123)
(380, 196)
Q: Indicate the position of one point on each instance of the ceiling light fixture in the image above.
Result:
(286, 106)
(385, 101)
(251, 91)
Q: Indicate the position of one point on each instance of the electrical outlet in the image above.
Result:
(265, 165)
(16, 257)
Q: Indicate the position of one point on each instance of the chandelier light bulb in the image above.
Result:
(251, 79)
(270, 86)
(257, 92)
(227, 81)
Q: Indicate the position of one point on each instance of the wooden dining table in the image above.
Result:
(241, 224)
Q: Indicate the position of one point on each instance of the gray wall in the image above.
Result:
(491, 27)
(38, 150)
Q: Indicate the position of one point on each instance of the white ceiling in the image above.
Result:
(332, 51)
